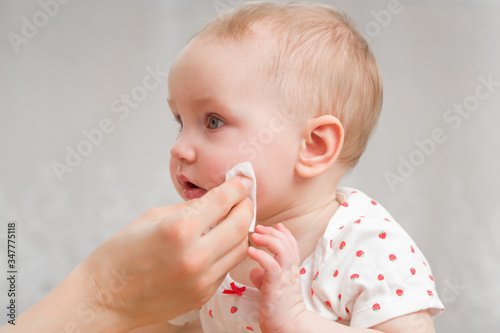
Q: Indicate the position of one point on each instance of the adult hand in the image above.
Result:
(159, 266)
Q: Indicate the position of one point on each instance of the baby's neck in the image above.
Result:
(307, 221)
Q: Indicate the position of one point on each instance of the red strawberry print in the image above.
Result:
(381, 277)
(374, 202)
(339, 296)
(339, 319)
(392, 257)
(336, 273)
(400, 292)
(424, 263)
(328, 304)
(347, 310)
(210, 313)
(331, 243)
(234, 309)
(316, 276)
(413, 270)
(250, 329)
(382, 235)
(345, 204)
(354, 192)
(302, 271)
(376, 307)
(354, 277)
(387, 219)
(430, 277)
(341, 227)
(312, 291)
(342, 245)
(412, 249)
(358, 221)
(360, 254)
(430, 293)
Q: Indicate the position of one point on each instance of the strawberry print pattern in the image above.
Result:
(370, 271)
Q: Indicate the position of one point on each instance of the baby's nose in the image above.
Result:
(183, 150)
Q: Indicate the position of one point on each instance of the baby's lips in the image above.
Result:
(247, 182)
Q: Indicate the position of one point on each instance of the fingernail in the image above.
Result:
(247, 183)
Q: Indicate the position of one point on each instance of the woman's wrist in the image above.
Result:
(71, 307)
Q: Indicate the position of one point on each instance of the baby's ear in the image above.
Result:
(320, 146)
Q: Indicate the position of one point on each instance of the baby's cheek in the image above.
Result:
(215, 176)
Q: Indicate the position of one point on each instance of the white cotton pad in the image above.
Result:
(245, 169)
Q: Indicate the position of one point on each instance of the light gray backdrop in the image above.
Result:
(65, 69)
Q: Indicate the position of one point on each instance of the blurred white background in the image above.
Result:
(64, 70)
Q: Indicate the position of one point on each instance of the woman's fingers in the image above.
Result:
(230, 232)
(216, 203)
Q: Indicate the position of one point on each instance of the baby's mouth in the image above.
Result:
(191, 190)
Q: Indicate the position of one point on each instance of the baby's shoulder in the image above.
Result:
(362, 225)
(358, 210)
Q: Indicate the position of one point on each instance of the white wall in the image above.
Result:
(64, 79)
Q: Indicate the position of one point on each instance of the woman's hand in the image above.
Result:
(281, 304)
(165, 262)
(157, 267)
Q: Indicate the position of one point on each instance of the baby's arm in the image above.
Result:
(194, 327)
(417, 322)
(282, 307)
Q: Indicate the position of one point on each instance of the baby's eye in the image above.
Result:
(214, 123)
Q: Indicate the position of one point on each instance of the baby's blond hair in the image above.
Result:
(320, 63)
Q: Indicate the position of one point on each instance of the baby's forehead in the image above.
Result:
(251, 56)
(218, 67)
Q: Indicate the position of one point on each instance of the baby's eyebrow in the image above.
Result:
(201, 103)
(212, 103)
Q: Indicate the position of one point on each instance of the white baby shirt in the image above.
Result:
(365, 270)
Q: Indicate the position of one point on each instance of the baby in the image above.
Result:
(294, 89)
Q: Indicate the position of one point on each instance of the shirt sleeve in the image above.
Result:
(379, 274)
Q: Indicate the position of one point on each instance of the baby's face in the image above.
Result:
(228, 115)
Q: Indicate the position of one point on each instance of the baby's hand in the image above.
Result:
(281, 304)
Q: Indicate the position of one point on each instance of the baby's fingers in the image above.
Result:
(257, 277)
(279, 242)
(272, 269)
(277, 247)
(290, 237)
(274, 232)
